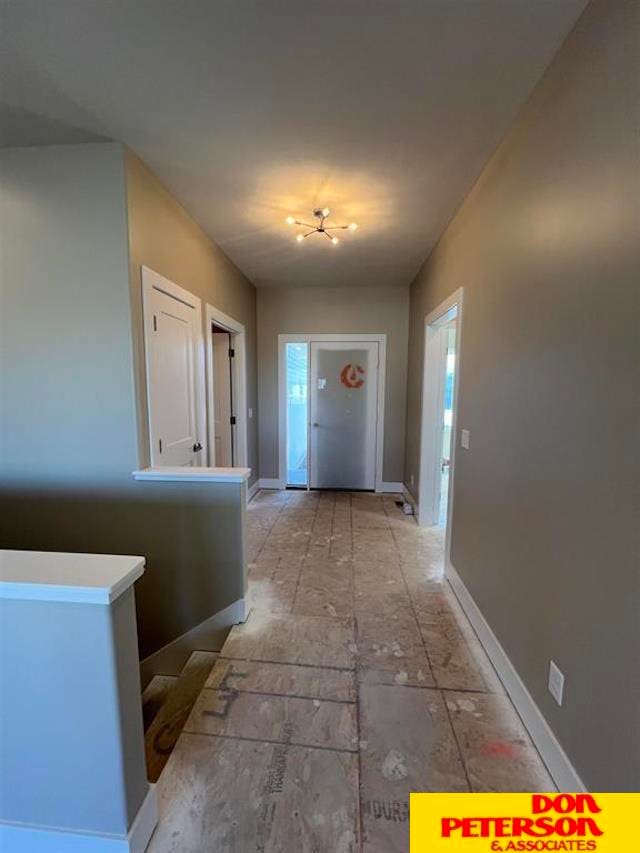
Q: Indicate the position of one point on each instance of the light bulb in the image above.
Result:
(335, 241)
(300, 238)
(290, 220)
(325, 212)
(353, 226)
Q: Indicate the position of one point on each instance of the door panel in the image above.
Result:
(171, 344)
(343, 413)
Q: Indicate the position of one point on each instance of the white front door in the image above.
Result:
(343, 413)
(171, 339)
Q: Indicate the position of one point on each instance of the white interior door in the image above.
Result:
(171, 339)
(222, 400)
(343, 414)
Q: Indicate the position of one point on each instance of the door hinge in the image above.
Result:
(155, 323)
(160, 444)
(232, 420)
(232, 353)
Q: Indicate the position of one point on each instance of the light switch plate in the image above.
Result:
(556, 682)
(465, 435)
(250, 413)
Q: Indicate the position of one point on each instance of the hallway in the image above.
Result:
(355, 680)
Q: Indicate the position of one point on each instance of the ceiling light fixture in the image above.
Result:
(320, 213)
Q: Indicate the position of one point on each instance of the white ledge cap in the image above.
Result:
(54, 576)
(194, 475)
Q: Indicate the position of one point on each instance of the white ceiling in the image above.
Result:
(248, 110)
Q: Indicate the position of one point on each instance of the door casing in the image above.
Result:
(433, 368)
(283, 340)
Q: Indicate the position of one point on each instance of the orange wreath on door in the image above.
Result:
(351, 376)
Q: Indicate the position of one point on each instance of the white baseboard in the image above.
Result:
(274, 483)
(558, 764)
(145, 822)
(392, 487)
(271, 483)
(252, 490)
(170, 659)
(408, 495)
(239, 613)
(26, 838)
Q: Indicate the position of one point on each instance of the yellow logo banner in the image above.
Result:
(510, 823)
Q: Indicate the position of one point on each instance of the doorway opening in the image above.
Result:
(439, 413)
(331, 411)
(224, 416)
(449, 334)
(226, 390)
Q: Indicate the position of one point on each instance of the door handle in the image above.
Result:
(197, 446)
(315, 424)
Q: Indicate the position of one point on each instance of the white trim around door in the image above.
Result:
(219, 318)
(283, 340)
(432, 399)
(153, 281)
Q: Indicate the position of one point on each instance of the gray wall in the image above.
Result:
(68, 411)
(68, 440)
(325, 310)
(165, 238)
(547, 248)
(69, 681)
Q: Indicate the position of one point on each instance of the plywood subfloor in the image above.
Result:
(355, 680)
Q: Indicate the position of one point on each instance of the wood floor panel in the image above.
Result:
(313, 640)
(235, 796)
(283, 680)
(283, 719)
(407, 744)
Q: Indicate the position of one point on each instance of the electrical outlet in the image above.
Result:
(411, 480)
(556, 682)
(250, 413)
(465, 436)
